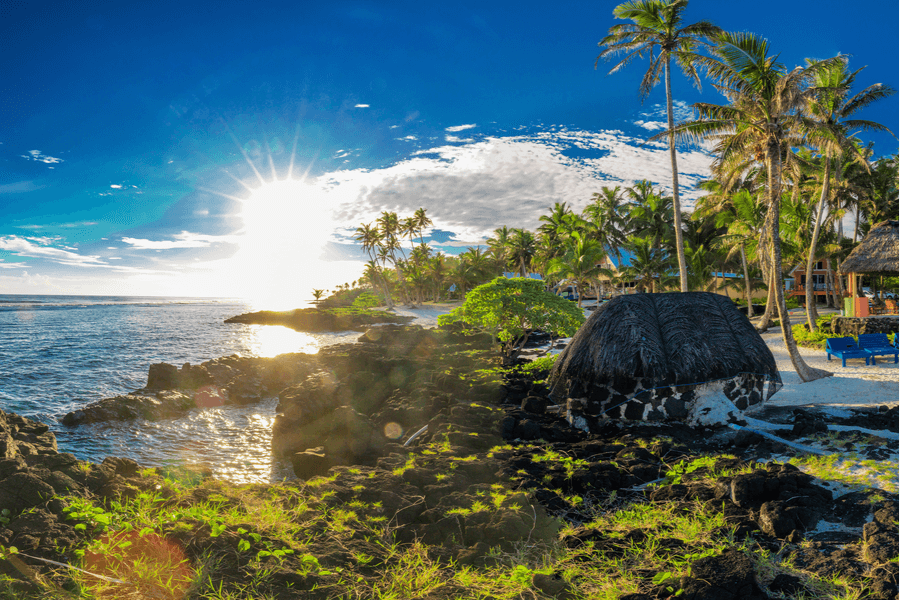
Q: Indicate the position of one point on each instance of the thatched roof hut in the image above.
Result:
(878, 252)
(642, 356)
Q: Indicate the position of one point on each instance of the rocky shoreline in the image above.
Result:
(497, 470)
(317, 320)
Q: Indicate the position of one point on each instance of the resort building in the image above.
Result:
(823, 280)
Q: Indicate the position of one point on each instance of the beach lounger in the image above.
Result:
(844, 348)
(877, 344)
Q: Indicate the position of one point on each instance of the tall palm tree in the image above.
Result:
(499, 245)
(648, 265)
(762, 119)
(422, 222)
(657, 31)
(437, 270)
(606, 216)
(744, 223)
(520, 250)
(831, 109)
(579, 261)
(649, 213)
(370, 238)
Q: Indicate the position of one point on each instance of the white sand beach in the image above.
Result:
(855, 386)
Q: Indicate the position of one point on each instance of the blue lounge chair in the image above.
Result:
(877, 344)
(844, 347)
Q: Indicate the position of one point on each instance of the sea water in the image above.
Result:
(59, 353)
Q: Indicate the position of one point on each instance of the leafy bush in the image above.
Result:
(366, 300)
(509, 308)
(793, 302)
(814, 339)
(342, 298)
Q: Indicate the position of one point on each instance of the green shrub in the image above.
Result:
(814, 339)
(366, 300)
(509, 308)
(342, 298)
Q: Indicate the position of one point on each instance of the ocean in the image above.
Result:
(59, 353)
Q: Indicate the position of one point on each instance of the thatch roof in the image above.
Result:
(878, 252)
(678, 339)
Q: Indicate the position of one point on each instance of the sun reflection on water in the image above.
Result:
(271, 340)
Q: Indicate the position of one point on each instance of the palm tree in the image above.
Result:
(744, 223)
(370, 238)
(830, 111)
(657, 31)
(437, 270)
(554, 224)
(422, 222)
(520, 250)
(605, 214)
(579, 261)
(762, 119)
(499, 245)
(648, 265)
(649, 213)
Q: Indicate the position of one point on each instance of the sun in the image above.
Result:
(290, 212)
(287, 227)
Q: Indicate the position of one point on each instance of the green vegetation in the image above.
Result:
(509, 309)
(814, 339)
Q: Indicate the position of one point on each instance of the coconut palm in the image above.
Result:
(606, 216)
(649, 213)
(744, 223)
(422, 222)
(762, 119)
(520, 250)
(438, 271)
(370, 238)
(499, 245)
(831, 109)
(649, 266)
(579, 261)
(657, 31)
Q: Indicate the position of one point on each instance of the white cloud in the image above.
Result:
(28, 247)
(651, 125)
(38, 156)
(473, 188)
(681, 111)
(456, 128)
(458, 140)
(185, 239)
(460, 243)
(409, 138)
(361, 106)
(116, 186)
(6, 265)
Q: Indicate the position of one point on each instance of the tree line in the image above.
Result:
(788, 167)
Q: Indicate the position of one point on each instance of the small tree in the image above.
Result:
(509, 309)
(317, 294)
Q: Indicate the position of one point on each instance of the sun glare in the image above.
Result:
(287, 225)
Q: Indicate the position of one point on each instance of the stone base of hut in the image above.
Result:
(667, 403)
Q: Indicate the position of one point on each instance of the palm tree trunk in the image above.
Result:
(811, 313)
(839, 290)
(676, 202)
(773, 168)
(747, 282)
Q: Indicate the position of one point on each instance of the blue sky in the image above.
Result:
(138, 142)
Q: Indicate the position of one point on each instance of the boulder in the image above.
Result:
(162, 376)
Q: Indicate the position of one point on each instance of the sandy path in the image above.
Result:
(855, 385)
